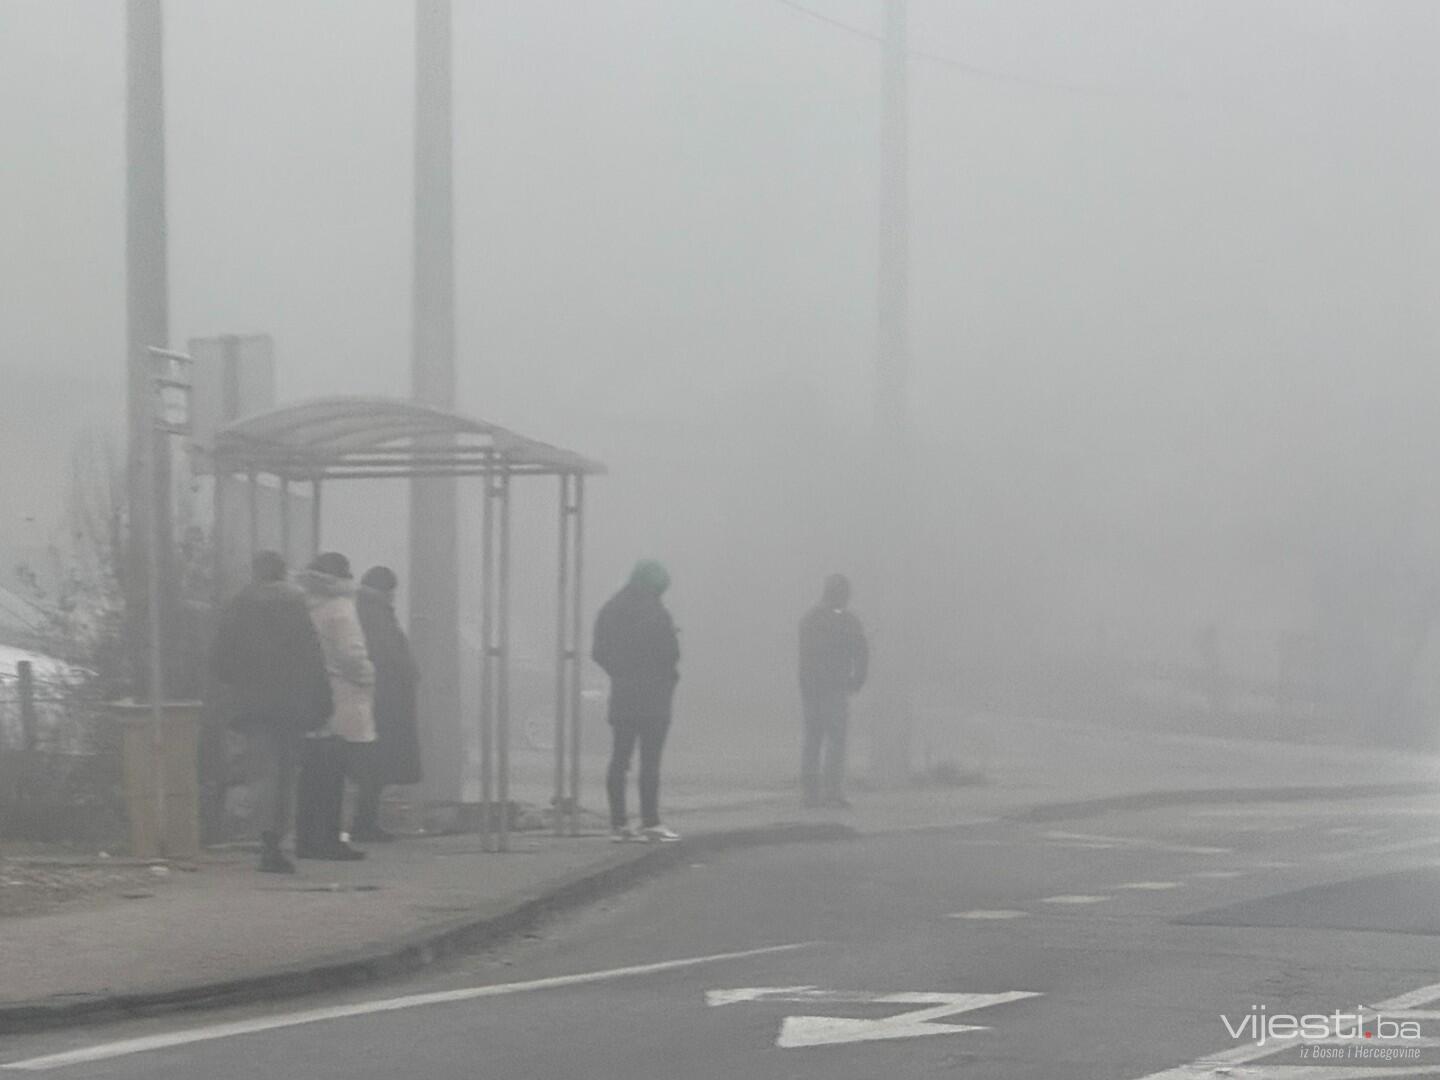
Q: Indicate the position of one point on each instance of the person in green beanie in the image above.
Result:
(636, 645)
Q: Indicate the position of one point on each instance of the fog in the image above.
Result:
(1172, 316)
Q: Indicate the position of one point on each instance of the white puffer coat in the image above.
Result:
(331, 601)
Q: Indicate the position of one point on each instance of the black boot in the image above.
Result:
(272, 859)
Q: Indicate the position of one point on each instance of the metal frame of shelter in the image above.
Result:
(371, 438)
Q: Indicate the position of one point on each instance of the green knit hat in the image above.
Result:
(650, 574)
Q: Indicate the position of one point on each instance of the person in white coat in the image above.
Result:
(342, 745)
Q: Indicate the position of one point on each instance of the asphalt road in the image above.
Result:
(1118, 948)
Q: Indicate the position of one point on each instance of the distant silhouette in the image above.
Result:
(834, 660)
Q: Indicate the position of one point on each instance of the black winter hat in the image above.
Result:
(380, 577)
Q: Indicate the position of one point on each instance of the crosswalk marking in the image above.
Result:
(1149, 886)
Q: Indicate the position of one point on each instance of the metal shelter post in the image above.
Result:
(285, 518)
(563, 655)
(577, 626)
(315, 517)
(569, 658)
(502, 660)
(217, 541)
(487, 680)
(253, 494)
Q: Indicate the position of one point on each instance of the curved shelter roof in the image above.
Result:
(377, 437)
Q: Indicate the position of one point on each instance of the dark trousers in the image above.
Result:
(363, 766)
(650, 734)
(323, 766)
(827, 718)
(272, 750)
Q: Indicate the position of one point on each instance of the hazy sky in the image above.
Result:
(1174, 272)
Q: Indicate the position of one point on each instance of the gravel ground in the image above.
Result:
(35, 886)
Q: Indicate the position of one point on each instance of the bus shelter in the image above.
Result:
(313, 443)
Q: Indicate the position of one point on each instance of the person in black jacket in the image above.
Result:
(394, 756)
(636, 644)
(834, 658)
(270, 670)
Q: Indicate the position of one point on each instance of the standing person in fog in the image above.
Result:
(342, 745)
(636, 644)
(834, 658)
(394, 757)
(270, 669)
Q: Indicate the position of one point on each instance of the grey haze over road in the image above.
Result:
(883, 956)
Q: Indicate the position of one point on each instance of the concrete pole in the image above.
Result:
(146, 323)
(434, 557)
(892, 716)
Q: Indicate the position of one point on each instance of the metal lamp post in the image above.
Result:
(169, 406)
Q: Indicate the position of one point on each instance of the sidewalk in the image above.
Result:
(217, 932)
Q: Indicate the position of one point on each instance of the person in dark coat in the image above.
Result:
(394, 757)
(834, 659)
(268, 664)
(636, 645)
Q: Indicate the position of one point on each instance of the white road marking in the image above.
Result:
(1354, 810)
(1093, 840)
(145, 1044)
(1379, 849)
(1150, 886)
(1219, 874)
(1411, 999)
(1213, 1067)
(1089, 837)
(798, 1031)
(1223, 1063)
(982, 914)
(1075, 898)
(1083, 845)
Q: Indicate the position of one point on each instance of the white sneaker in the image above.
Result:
(659, 834)
(623, 835)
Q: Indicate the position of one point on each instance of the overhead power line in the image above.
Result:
(819, 16)
(962, 66)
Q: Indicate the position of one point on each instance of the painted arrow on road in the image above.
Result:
(798, 1031)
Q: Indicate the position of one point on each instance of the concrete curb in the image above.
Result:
(1153, 800)
(410, 953)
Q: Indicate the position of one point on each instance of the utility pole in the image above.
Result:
(434, 559)
(892, 719)
(147, 324)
